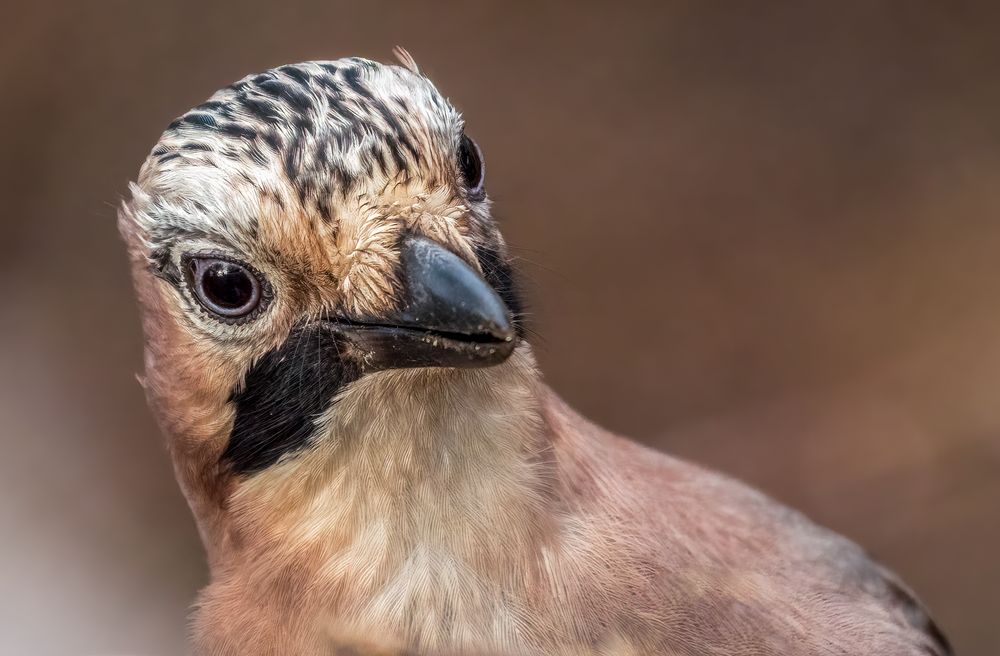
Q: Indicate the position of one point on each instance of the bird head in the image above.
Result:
(312, 233)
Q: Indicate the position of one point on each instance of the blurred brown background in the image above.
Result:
(760, 235)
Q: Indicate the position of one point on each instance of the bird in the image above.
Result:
(335, 350)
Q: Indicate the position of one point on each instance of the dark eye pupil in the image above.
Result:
(227, 285)
(225, 288)
(470, 165)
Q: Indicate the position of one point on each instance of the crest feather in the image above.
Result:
(406, 59)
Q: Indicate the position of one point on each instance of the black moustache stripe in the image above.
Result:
(282, 396)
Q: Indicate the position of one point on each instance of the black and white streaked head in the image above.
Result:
(309, 235)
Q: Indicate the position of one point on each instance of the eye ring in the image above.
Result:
(471, 168)
(231, 291)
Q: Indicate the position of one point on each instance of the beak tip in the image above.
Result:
(502, 331)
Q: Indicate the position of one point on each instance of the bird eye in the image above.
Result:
(470, 165)
(225, 288)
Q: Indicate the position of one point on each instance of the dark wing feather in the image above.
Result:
(900, 597)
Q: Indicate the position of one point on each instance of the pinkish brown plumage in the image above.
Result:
(334, 351)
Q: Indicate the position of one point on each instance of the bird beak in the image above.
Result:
(450, 317)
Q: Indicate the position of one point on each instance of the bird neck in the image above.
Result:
(451, 463)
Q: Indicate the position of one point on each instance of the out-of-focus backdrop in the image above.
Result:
(765, 236)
